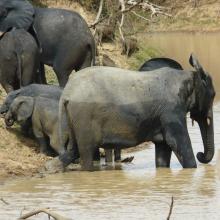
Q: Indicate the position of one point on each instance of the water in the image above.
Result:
(137, 190)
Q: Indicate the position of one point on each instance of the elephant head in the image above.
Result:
(202, 109)
(8, 101)
(20, 110)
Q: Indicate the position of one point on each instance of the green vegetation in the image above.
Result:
(144, 53)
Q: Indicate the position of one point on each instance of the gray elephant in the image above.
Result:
(43, 113)
(160, 62)
(19, 60)
(121, 111)
(149, 65)
(67, 43)
(64, 38)
(33, 90)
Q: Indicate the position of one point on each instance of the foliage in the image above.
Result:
(144, 53)
(38, 3)
(89, 4)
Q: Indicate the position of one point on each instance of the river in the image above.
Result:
(136, 190)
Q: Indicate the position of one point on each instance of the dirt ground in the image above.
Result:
(19, 156)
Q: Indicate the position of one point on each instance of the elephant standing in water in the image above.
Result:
(65, 41)
(152, 64)
(121, 111)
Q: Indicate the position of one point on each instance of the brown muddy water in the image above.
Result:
(137, 190)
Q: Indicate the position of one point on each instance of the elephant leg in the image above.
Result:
(44, 147)
(62, 73)
(86, 157)
(108, 155)
(43, 79)
(162, 155)
(96, 156)
(117, 154)
(177, 137)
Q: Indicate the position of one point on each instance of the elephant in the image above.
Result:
(152, 64)
(67, 43)
(15, 14)
(19, 60)
(160, 62)
(64, 38)
(112, 107)
(43, 113)
(33, 90)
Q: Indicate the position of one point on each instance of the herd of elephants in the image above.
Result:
(100, 106)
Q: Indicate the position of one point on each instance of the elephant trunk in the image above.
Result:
(9, 121)
(207, 132)
(3, 110)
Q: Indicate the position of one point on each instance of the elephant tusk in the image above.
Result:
(208, 121)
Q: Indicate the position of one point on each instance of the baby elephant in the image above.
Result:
(43, 113)
(129, 46)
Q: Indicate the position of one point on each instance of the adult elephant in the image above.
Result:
(121, 111)
(67, 43)
(63, 36)
(160, 62)
(149, 65)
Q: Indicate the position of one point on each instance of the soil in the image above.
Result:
(19, 156)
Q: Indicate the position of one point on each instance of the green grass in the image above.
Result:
(142, 55)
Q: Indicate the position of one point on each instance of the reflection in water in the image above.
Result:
(138, 190)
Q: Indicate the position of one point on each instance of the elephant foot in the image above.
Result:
(54, 166)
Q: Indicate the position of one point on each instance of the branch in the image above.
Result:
(171, 208)
(133, 6)
(47, 211)
(155, 9)
(98, 15)
(140, 16)
(93, 25)
(6, 203)
(122, 19)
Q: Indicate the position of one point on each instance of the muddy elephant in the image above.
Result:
(160, 62)
(19, 60)
(43, 113)
(124, 111)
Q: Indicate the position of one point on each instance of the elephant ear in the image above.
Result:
(25, 106)
(195, 63)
